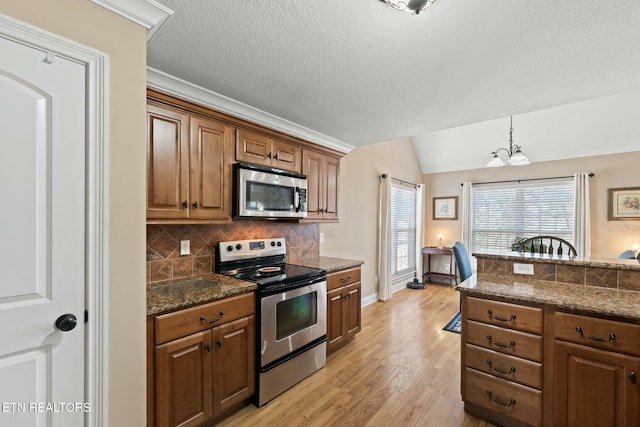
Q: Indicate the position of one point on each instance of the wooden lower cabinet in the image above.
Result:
(199, 376)
(344, 296)
(595, 383)
(527, 365)
(183, 381)
(233, 363)
(502, 361)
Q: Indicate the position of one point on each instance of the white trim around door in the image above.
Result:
(97, 202)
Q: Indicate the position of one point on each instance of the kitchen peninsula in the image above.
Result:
(556, 344)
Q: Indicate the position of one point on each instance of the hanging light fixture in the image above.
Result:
(412, 6)
(515, 156)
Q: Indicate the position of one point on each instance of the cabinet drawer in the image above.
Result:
(601, 333)
(506, 341)
(184, 322)
(513, 400)
(520, 317)
(343, 278)
(501, 365)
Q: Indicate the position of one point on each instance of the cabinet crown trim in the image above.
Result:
(167, 83)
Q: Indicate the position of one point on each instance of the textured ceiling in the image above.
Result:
(362, 73)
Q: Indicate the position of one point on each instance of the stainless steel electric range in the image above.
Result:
(291, 310)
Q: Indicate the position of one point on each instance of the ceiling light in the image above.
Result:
(412, 6)
(515, 156)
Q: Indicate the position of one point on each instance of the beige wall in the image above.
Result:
(125, 43)
(608, 238)
(355, 237)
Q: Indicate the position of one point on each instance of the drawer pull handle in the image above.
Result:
(213, 320)
(612, 336)
(500, 318)
(500, 370)
(500, 344)
(345, 279)
(633, 378)
(500, 402)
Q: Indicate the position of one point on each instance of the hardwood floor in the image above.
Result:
(401, 370)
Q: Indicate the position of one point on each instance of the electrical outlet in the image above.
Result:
(321, 237)
(447, 266)
(185, 247)
(523, 269)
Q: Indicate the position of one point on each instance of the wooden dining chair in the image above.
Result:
(546, 245)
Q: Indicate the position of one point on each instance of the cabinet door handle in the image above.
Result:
(213, 320)
(269, 155)
(500, 344)
(500, 402)
(208, 347)
(195, 205)
(502, 319)
(219, 343)
(633, 378)
(275, 157)
(185, 204)
(500, 370)
(612, 336)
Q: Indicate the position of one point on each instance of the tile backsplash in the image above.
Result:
(164, 261)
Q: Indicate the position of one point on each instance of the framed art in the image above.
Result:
(445, 207)
(624, 203)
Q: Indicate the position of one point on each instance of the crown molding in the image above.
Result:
(188, 91)
(148, 13)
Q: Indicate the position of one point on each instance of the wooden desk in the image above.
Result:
(426, 264)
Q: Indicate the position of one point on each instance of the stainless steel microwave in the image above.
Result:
(269, 193)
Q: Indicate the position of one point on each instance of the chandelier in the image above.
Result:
(412, 6)
(515, 156)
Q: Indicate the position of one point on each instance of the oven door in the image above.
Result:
(265, 194)
(291, 319)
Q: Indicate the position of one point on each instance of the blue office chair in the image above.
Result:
(462, 261)
(628, 254)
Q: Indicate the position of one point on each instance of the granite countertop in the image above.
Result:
(182, 293)
(328, 264)
(591, 300)
(622, 264)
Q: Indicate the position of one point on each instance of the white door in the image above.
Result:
(42, 237)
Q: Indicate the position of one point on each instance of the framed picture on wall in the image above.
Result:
(624, 203)
(445, 207)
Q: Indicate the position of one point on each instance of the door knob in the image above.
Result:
(66, 322)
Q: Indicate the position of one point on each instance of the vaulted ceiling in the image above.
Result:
(361, 73)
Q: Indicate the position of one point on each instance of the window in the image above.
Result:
(403, 229)
(502, 212)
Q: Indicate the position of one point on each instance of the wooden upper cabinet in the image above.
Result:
(189, 167)
(211, 174)
(167, 163)
(255, 148)
(323, 174)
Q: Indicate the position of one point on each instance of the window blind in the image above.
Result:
(503, 212)
(403, 229)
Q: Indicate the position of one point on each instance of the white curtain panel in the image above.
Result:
(419, 228)
(466, 215)
(384, 239)
(582, 212)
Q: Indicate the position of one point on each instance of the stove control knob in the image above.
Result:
(279, 243)
(229, 248)
(273, 243)
(238, 246)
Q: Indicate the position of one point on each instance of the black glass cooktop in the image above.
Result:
(278, 274)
